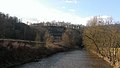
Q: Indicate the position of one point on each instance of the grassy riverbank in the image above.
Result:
(11, 56)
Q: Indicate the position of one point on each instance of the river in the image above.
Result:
(72, 59)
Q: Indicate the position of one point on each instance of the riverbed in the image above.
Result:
(72, 59)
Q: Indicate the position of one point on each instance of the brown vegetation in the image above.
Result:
(72, 38)
(103, 37)
(11, 55)
(57, 36)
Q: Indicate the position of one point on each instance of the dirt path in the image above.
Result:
(73, 59)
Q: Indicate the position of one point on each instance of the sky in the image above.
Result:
(74, 11)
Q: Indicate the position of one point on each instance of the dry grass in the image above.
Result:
(12, 55)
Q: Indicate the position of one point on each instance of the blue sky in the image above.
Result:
(87, 7)
(74, 11)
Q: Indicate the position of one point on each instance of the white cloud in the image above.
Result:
(102, 16)
(56, 15)
(72, 10)
(63, 7)
(71, 1)
(32, 11)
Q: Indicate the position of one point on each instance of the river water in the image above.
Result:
(73, 59)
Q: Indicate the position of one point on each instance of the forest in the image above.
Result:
(12, 53)
(100, 36)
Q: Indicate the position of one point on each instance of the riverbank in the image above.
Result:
(14, 56)
(71, 59)
(116, 65)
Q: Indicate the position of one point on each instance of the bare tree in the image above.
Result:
(103, 37)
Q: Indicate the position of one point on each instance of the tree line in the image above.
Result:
(13, 28)
(12, 53)
(103, 36)
(99, 35)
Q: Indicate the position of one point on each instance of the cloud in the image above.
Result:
(63, 7)
(72, 10)
(71, 1)
(57, 16)
(32, 11)
(29, 10)
(105, 17)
